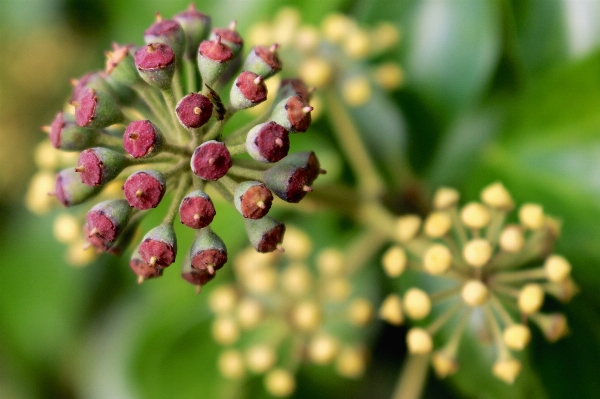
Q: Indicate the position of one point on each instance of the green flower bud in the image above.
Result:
(208, 252)
(96, 109)
(195, 27)
(265, 234)
(252, 199)
(99, 165)
(288, 182)
(156, 64)
(70, 190)
(263, 61)
(159, 246)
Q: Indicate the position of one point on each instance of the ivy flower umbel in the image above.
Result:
(281, 311)
(155, 123)
(485, 269)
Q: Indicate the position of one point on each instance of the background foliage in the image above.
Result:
(495, 90)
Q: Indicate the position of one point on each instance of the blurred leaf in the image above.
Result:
(452, 50)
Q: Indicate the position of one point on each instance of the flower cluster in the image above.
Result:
(488, 274)
(280, 312)
(132, 124)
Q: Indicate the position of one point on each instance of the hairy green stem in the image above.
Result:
(413, 376)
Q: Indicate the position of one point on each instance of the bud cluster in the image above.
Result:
(153, 122)
(482, 268)
(280, 311)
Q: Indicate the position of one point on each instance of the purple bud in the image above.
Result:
(263, 61)
(159, 246)
(292, 87)
(141, 139)
(211, 160)
(252, 199)
(293, 113)
(229, 36)
(70, 190)
(195, 26)
(167, 32)
(195, 277)
(208, 252)
(194, 110)
(96, 109)
(142, 269)
(265, 234)
(107, 219)
(68, 136)
(307, 160)
(213, 59)
(288, 182)
(156, 64)
(248, 90)
(268, 142)
(120, 65)
(99, 165)
(196, 210)
(144, 189)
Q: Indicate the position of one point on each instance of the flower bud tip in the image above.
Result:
(93, 232)
(258, 80)
(307, 189)
(157, 16)
(46, 129)
(232, 25)
(261, 205)
(74, 103)
(153, 260)
(280, 248)
(307, 109)
(140, 279)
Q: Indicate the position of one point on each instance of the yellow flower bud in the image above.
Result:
(323, 348)
(225, 330)
(297, 244)
(391, 310)
(296, 279)
(437, 259)
(507, 370)
(512, 239)
(477, 252)
(497, 196)
(350, 363)
(554, 326)
(437, 224)
(443, 364)
(337, 289)
(260, 33)
(474, 293)
(249, 313)
(260, 358)
(360, 312)
(407, 227)
(389, 76)
(357, 44)
(516, 336)
(394, 261)
(306, 316)
(330, 262)
(37, 198)
(531, 298)
(445, 198)
(315, 72)
(223, 299)
(66, 228)
(78, 253)
(356, 91)
(231, 364)
(557, 268)
(280, 382)
(336, 27)
(417, 304)
(475, 215)
(532, 216)
(419, 341)
(307, 38)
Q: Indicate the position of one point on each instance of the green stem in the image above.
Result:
(363, 248)
(215, 130)
(348, 137)
(171, 105)
(246, 173)
(156, 105)
(237, 149)
(176, 149)
(103, 139)
(239, 135)
(251, 164)
(179, 167)
(179, 194)
(222, 189)
(413, 377)
(190, 68)
(229, 183)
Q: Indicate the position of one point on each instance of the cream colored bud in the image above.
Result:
(66, 228)
(417, 304)
(360, 312)
(248, 261)
(260, 33)
(407, 227)
(260, 358)
(497, 196)
(315, 72)
(336, 27)
(249, 313)
(512, 239)
(280, 382)
(357, 44)
(394, 261)
(437, 259)
(79, 254)
(330, 262)
(554, 326)
(437, 224)
(516, 336)
(307, 38)
(532, 216)
(419, 341)
(297, 244)
(337, 289)
(475, 215)
(389, 76)
(37, 198)
(356, 91)
(261, 281)
(477, 252)
(323, 348)
(557, 268)
(443, 364)
(285, 25)
(225, 330)
(507, 370)
(386, 35)
(231, 364)
(391, 310)
(531, 298)
(223, 299)
(113, 188)
(350, 363)
(296, 279)
(307, 316)
(474, 293)
(445, 198)
(47, 157)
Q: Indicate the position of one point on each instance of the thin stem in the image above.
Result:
(369, 182)
(413, 376)
(180, 166)
(363, 248)
(520, 275)
(171, 105)
(237, 149)
(156, 105)
(103, 139)
(451, 347)
(190, 68)
(177, 86)
(444, 317)
(496, 305)
(229, 183)
(495, 328)
(239, 136)
(184, 184)
(246, 173)
(222, 189)
(251, 164)
(441, 296)
(176, 149)
(215, 131)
